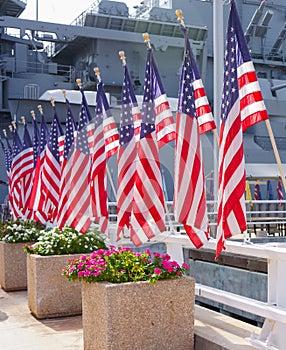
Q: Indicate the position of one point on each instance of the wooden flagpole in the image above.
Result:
(275, 150)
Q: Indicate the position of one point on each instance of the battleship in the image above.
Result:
(39, 59)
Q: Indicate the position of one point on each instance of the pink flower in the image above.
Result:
(186, 266)
(157, 271)
(147, 251)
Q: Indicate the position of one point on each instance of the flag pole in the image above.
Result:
(218, 56)
(97, 73)
(275, 150)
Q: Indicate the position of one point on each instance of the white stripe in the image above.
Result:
(198, 84)
(205, 118)
(249, 88)
(135, 110)
(245, 68)
(252, 108)
(165, 131)
(161, 99)
(166, 113)
(201, 101)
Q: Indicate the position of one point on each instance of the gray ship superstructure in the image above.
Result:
(48, 56)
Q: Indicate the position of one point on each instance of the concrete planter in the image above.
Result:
(49, 293)
(13, 266)
(140, 315)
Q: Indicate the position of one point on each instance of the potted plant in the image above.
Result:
(13, 260)
(134, 300)
(49, 293)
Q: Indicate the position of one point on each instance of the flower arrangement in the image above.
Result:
(120, 265)
(68, 241)
(20, 231)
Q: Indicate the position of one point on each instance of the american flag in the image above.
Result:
(36, 139)
(7, 158)
(148, 216)
(65, 177)
(9, 148)
(242, 107)
(79, 214)
(15, 176)
(51, 172)
(38, 197)
(190, 206)
(203, 111)
(30, 178)
(27, 179)
(105, 145)
(164, 121)
(257, 192)
(127, 154)
(279, 190)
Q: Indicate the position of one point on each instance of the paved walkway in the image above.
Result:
(19, 330)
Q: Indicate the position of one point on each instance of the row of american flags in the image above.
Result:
(257, 192)
(61, 177)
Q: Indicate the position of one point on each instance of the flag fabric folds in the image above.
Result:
(7, 158)
(51, 172)
(164, 121)
(78, 214)
(27, 179)
(148, 216)
(279, 190)
(190, 206)
(204, 114)
(37, 200)
(15, 176)
(242, 107)
(104, 145)
(257, 192)
(127, 155)
(248, 195)
(65, 172)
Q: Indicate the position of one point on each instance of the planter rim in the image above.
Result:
(3, 242)
(55, 255)
(111, 285)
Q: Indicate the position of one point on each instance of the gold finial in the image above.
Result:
(147, 40)
(40, 108)
(11, 128)
(23, 120)
(64, 93)
(33, 114)
(79, 84)
(14, 125)
(179, 14)
(96, 71)
(52, 101)
(122, 57)
(5, 132)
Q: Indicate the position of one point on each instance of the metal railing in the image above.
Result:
(261, 215)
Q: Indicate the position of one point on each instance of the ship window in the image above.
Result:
(31, 91)
(262, 75)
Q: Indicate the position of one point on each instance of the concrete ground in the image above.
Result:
(19, 330)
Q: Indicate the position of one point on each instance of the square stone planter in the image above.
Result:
(49, 293)
(13, 266)
(139, 315)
